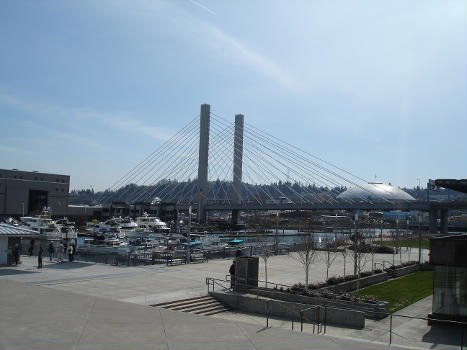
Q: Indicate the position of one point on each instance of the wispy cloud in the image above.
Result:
(196, 3)
(231, 49)
(122, 121)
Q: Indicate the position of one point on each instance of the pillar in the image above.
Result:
(204, 122)
(444, 221)
(433, 220)
(237, 166)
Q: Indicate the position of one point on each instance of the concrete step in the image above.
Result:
(204, 305)
(213, 311)
(195, 304)
(180, 301)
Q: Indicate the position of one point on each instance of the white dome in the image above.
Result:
(376, 191)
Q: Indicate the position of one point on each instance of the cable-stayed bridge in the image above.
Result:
(213, 163)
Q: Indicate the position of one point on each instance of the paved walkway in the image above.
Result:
(405, 332)
(79, 305)
(159, 283)
(36, 317)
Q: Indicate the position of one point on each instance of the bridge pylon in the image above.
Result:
(205, 119)
(237, 166)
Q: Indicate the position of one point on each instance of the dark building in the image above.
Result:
(28, 192)
(447, 254)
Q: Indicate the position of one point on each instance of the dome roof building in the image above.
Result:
(376, 192)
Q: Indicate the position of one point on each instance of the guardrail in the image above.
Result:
(320, 325)
(382, 264)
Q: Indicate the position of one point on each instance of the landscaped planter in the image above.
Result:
(292, 310)
(370, 310)
(402, 271)
(350, 286)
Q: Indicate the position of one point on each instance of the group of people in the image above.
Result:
(62, 250)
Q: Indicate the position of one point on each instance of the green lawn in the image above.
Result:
(411, 243)
(403, 291)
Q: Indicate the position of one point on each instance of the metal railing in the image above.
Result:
(382, 264)
(321, 318)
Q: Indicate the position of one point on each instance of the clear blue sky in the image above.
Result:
(89, 88)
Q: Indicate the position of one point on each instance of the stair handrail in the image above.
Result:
(211, 281)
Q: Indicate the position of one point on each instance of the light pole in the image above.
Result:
(277, 229)
(419, 237)
(188, 245)
(355, 246)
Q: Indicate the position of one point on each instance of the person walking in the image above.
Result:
(232, 275)
(39, 258)
(17, 253)
(51, 251)
(70, 253)
(60, 252)
(31, 248)
(65, 249)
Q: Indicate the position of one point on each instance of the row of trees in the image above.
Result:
(360, 245)
(173, 190)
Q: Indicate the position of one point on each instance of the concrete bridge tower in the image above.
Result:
(205, 119)
(237, 166)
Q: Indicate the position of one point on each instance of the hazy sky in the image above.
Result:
(89, 88)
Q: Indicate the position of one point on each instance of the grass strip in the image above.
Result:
(404, 243)
(403, 291)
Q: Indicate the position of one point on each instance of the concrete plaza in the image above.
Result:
(92, 306)
(153, 284)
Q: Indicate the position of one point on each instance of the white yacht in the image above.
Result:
(108, 226)
(151, 223)
(67, 230)
(126, 224)
(41, 223)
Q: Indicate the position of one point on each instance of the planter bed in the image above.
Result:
(370, 310)
(291, 310)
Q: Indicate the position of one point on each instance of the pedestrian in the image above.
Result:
(17, 253)
(39, 258)
(51, 251)
(60, 252)
(232, 274)
(31, 248)
(65, 249)
(75, 250)
(70, 253)
(238, 253)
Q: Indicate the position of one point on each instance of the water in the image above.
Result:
(286, 237)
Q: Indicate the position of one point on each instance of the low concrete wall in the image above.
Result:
(426, 267)
(291, 310)
(350, 286)
(403, 270)
(3, 250)
(375, 311)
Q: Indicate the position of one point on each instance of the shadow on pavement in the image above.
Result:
(446, 335)
(7, 272)
(66, 265)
